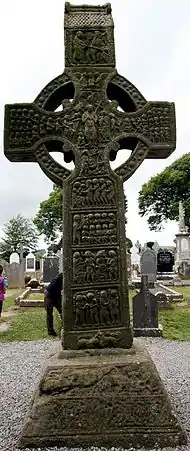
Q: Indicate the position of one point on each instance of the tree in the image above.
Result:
(19, 231)
(48, 220)
(159, 197)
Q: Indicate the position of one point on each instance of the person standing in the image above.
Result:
(53, 298)
(2, 289)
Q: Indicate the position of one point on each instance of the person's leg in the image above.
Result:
(1, 306)
(49, 312)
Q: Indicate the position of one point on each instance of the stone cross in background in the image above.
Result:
(90, 130)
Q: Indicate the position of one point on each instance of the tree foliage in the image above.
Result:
(49, 217)
(19, 231)
(159, 197)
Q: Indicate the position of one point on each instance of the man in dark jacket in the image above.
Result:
(53, 298)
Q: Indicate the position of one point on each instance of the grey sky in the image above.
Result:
(152, 40)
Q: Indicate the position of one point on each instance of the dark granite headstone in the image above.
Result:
(148, 264)
(145, 312)
(94, 398)
(165, 261)
(50, 268)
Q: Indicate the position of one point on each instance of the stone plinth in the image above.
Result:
(101, 398)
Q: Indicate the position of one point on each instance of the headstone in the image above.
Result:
(182, 260)
(148, 263)
(165, 261)
(50, 268)
(101, 395)
(14, 258)
(145, 312)
(135, 256)
(15, 275)
(30, 262)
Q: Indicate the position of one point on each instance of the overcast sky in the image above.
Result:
(152, 39)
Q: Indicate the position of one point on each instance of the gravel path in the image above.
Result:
(21, 362)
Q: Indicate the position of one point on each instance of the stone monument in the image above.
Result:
(90, 395)
(145, 312)
(148, 264)
(182, 261)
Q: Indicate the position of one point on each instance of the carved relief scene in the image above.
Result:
(94, 228)
(90, 47)
(95, 266)
(96, 308)
(93, 192)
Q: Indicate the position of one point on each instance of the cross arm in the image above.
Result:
(27, 127)
(155, 125)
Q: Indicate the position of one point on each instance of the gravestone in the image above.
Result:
(14, 258)
(30, 262)
(50, 268)
(145, 312)
(148, 264)
(97, 397)
(165, 261)
(15, 275)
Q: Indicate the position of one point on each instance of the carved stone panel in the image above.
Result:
(94, 228)
(91, 266)
(93, 193)
(96, 308)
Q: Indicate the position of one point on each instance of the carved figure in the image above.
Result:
(114, 307)
(77, 229)
(112, 265)
(78, 268)
(89, 266)
(93, 308)
(89, 118)
(104, 308)
(79, 47)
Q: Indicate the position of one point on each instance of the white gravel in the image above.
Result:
(21, 362)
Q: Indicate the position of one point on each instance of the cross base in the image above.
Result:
(105, 398)
(98, 338)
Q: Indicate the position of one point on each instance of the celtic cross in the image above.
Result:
(102, 112)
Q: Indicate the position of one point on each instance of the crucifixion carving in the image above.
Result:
(102, 112)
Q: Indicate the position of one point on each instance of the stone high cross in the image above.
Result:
(90, 130)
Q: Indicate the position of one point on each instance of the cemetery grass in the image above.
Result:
(30, 323)
(26, 324)
(36, 297)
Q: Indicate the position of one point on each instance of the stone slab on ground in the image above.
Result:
(109, 398)
(31, 303)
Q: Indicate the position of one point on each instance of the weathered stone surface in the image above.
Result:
(101, 398)
(148, 263)
(145, 311)
(90, 130)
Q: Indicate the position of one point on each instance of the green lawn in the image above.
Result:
(30, 323)
(185, 291)
(36, 296)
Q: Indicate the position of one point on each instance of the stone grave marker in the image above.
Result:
(30, 262)
(50, 268)
(145, 312)
(148, 264)
(15, 275)
(90, 130)
(14, 258)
